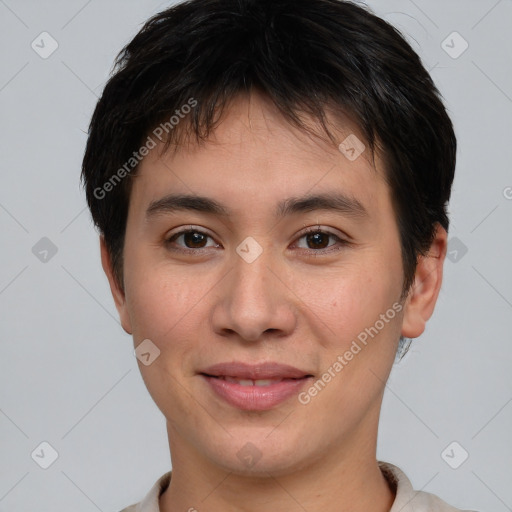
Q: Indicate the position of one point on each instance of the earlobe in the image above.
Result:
(117, 293)
(428, 278)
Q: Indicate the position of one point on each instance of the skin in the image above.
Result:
(298, 303)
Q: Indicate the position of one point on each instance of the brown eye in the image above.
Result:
(318, 240)
(190, 239)
(194, 240)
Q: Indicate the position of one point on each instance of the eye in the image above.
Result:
(314, 240)
(189, 240)
(319, 240)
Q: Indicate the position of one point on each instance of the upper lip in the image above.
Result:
(268, 370)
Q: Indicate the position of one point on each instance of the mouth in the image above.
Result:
(251, 382)
(255, 372)
(255, 387)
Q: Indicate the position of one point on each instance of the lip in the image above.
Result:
(289, 381)
(268, 370)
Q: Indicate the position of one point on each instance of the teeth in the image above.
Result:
(264, 382)
(249, 382)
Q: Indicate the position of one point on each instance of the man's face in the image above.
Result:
(251, 285)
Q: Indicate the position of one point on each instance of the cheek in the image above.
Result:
(344, 301)
(364, 328)
(162, 305)
(165, 309)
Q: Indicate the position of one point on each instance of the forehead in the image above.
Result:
(256, 154)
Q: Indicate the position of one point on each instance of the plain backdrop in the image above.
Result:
(68, 375)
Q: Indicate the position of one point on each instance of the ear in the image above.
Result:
(117, 292)
(423, 294)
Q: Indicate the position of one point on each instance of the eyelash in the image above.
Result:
(309, 231)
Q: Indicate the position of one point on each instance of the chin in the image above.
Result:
(253, 454)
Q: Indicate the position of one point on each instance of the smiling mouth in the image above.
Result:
(254, 386)
(255, 394)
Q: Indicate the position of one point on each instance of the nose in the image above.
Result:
(253, 302)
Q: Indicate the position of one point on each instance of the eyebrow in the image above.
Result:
(338, 202)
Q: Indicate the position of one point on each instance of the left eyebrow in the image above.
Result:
(345, 204)
(339, 202)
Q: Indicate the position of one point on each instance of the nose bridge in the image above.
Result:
(251, 279)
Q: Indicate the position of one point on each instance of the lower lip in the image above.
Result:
(255, 398)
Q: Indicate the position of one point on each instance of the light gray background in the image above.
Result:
(67, 370)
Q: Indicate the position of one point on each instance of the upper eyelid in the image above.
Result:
(316, 229)
(305, 231)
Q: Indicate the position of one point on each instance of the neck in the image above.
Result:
(343, 480)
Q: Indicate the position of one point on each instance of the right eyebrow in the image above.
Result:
(175, 202)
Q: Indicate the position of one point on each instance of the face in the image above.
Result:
(265, 247)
